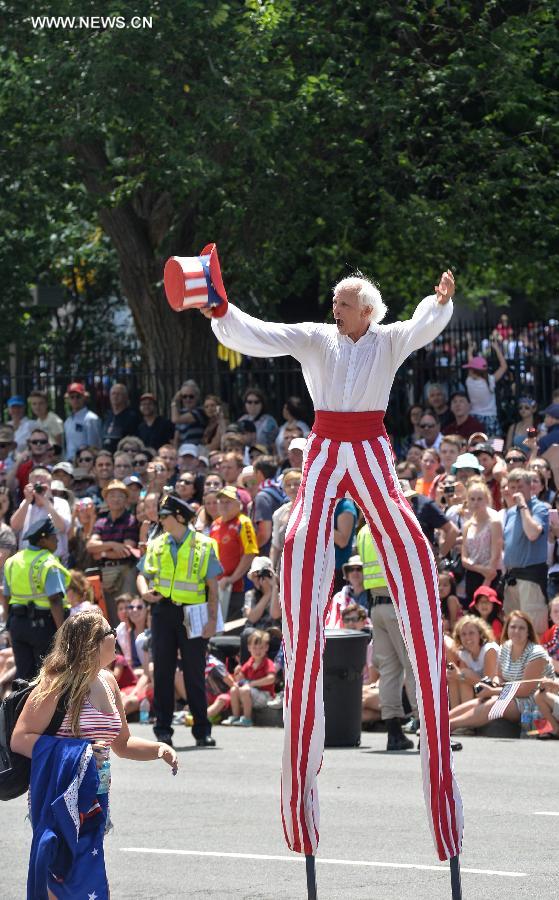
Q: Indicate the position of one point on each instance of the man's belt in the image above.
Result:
(380, 600)
(111, 563)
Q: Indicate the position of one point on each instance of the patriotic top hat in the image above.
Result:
(195, 282)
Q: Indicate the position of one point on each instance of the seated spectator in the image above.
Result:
(430, 430)
(46, 420)
(186, 488)
(476, 656)
(482, 539)
(121, 420)
(135, 491)
(22, 426)
(549, 491)
(520, 659)
(103, 469)
(547, 702)
(113, 545)
(213, 481)
(449, 451)
(430, 464)
(187, 415)
(36, 455)
(480, 386)
(154, 429)
(451, 608)
(414, 454)
(493, 470)
(79, 593)
(353, 592)
(486, 604)
(234, 533)
(355, 618)
(63, 471)
(7, 447)
(208, 512)
(266, 426)
(437, 400)
(131, 630)
(140, 460)
(214, 409)
(526, 528)
(84, 516)
(131, 444)
(518, 431)
(82, 428)
(149, 527)
(85, 459)
(291, 483)
(156, 476)
(515, 458)
(260, 604)
(122, 465)
(550, 638)
(290, 433)
(413, 434)
(464, 423)
(295, 452)
(37, 503)
(254, 682)
(218, 683)
(293, 412)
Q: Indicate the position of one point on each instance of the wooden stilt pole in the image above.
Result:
(311, 878)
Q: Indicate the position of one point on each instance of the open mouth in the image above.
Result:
(339, 323)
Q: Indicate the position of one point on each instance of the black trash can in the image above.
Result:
(345, 655)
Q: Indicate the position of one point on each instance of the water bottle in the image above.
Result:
(144, 711)
(104, 778)
(525, 721)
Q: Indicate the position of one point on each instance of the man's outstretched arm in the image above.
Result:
(247, 334)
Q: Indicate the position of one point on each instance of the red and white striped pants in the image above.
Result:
(350, 453)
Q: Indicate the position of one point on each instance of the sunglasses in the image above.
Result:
(140, 462)
(85, 458)
(75, 394)
(514, 459)
(135, 606)
(185, 482)
(38, 441)
(109, 631)
(354, 569)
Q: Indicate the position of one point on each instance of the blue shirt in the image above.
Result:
(519, 551)
(343, 553)
(552, 437)
(54, 583)
(214, 566)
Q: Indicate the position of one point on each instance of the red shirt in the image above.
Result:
(234, 538)
(266, 667)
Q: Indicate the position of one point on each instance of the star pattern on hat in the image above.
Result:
(95, 851)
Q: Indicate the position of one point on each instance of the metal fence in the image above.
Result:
(532, 354)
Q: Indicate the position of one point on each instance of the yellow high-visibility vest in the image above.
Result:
(185, 581)
(373, 579)
(26, 575)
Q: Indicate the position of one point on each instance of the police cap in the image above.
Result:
(172, 505)
(39, 530)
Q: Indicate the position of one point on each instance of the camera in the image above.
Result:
(485, 682)
(448, 490)
(39, 488)
(531, 432)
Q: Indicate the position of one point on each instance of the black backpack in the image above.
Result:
(15, 769)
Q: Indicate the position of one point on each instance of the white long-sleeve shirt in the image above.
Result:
(342, 375)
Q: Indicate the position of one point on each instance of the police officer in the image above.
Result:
(390, 654)
(178, 575)
(35, 583)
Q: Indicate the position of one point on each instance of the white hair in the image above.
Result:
(368, 294)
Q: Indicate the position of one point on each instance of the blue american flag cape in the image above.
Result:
(68, 820)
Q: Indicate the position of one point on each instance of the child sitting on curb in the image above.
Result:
(254, 682)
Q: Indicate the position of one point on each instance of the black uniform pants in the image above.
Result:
(168, 635)
(31, 641)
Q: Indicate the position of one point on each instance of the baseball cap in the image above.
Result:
(466, 461)
(484, 447)
(485, 591)
(16, 400)
(188, 450)
(258, 564)
(298, 443)
(476, 362)
(76, 388)
(229, 491)
(133, 479)
(148, 396)
(64, 467)
(552, 410)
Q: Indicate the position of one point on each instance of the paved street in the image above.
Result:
(219, 827)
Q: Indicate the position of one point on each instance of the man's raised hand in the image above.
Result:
(445, 288)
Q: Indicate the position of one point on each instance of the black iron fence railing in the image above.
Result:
(531, 352)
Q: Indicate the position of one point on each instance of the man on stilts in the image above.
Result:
(349, 368)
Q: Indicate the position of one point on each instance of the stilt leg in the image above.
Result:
(455, 878)
(311, 878)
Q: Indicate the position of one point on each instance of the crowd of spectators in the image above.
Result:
(486, 498)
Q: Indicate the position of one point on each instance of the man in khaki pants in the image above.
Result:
(525, 551)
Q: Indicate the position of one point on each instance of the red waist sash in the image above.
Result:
(348, 426)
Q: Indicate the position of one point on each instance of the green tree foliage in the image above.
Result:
(307, 139)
